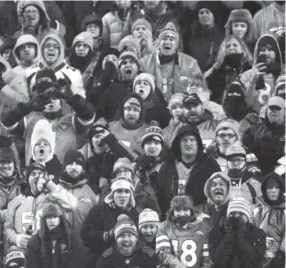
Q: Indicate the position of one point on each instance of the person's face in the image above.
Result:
(168, 45)
(123, 3)
(81, 49)
(206, 17)
(149, 231)
(7, 168)
(270, 55)
(35, 180)
(7, 53)
(128, 69)
(53, 222)
(51, 51)
(275, 115)
(233, 47)
(111, 58)
(218, 190)
(193, 112)
(42, 150)
(143, 88)
(236, 162)
(131, 114)
(93, 29)
(239, 29)
(74, 170)
(225, 138)
(182, 212)
(53, 106)
(177, 110)
(126, 243)
(153, 147)
(27, 52)
(151, 4)
(189, 145)
(31, 16)
(273, 190)
(98, 146)
(238, 214)
(140, 31)
(122, 197)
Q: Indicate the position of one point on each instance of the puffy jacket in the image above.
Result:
(185, 68)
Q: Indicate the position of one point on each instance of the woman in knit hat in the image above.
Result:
(154, 102)
(127, 251)
(51, 245)
(237, 237)
(129, 43)
(98, 228)
(240, 24)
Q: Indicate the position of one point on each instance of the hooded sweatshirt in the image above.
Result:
(253, 96)
(270, 217)
(60, 67)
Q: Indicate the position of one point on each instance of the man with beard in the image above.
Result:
(237, 243)
(226, 134)
(128, 66)
(130, 127)
(266, 139)
(75, 180)
(243, 181)
(217, 190)
(183, 236)
(24, 211)
(47, 104)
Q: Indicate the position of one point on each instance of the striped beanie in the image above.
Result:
(240, 204)
(124, 224)
(148, 216)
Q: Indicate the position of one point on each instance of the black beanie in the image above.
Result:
(34, 166)
(210, 5)
(74, 156)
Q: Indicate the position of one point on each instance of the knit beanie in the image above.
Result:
(228, 123)
(148, 216)
(15, 259)
(240, 204)
(210, 5)
(40, 84)
(169, 30)
(129, 40)
(92, 18)
(34, 166)
(124, 225)
(122, 163)
(236, 149)
(6, 43)
(141, 21)
(176, 99)
(85, 37)
(145, 77)
(128, 55)
(280, 85)
(121, 182)
(43, 130)
(46, 72)
(52, 209)
(74, 156)
(154, 132)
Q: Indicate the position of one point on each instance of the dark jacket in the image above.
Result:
(167, 180)
(229, 251)
(266, 142)
(100, 219)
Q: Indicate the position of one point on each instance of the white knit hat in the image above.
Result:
(43, 130)
(85, 37)
(240, 204)
(122, 163)
(145, 77)
(228, 123)
(148, 216)
(176, 99)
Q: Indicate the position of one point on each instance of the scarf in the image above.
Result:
(165, 59)
(73, 181)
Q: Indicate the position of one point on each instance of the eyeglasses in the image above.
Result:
(51, 46)
(226, 135)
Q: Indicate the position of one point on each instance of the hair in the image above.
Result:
(247, 56)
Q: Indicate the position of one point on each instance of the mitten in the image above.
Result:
(108, 236)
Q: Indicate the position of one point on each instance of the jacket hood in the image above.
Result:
(61, 58)
(186, 129)
(266, 38)
(24, 39)
(281, 182)
(216, 175)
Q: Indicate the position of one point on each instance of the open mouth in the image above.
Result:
(168, 48)
(41, 152)
(128, 71)
(218, 192)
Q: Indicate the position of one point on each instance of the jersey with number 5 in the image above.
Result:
(189, 244)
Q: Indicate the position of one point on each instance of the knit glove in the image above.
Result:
(22, 240)
(143, 164)
(108, 236)
(240, 226)
(38, 103)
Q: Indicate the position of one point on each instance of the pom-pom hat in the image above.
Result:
(124, 225)
(153, 132)
(148, 216)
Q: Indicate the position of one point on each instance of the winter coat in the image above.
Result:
(270, 217)
(24, 212)
(100, 219)
(228, 251)
(173, 77)
(266, 142)
(86, 200)
(267, 18)
(203, 44)
(167, 182)
(253, 96)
